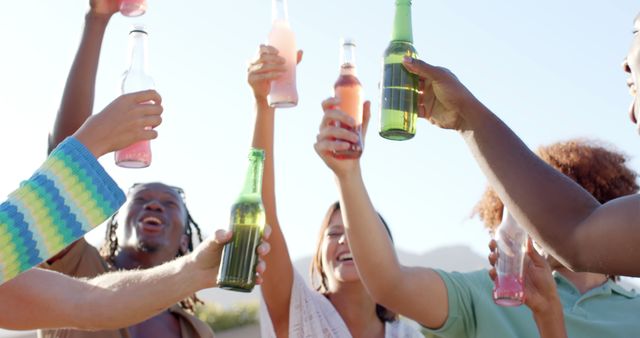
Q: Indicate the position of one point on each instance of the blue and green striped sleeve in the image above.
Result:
(66, 197)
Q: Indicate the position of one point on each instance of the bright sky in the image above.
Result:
(550, 69)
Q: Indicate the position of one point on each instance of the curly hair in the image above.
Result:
(600, 170)
(319, 279)
(110, 247)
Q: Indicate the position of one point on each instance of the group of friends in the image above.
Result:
(577, 199)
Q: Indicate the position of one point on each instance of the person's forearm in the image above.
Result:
(551, 323)
(77, 100)
(369, 241)
(133, 296)
(263, 138)
(546, 202)
(47, 299)
(278, 279)
(423, 295)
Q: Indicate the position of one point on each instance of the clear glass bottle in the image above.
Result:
(283, 93)
(511, 240)
(136, 78)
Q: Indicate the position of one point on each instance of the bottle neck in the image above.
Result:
(138, 46)
(279, 11)
(348, 59)
(253, 181)
(402, 29)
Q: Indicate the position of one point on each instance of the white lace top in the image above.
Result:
(311, 315)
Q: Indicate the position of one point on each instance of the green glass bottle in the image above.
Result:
(400, 89)
(239, 257)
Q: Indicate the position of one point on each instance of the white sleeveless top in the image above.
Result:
(311, 315)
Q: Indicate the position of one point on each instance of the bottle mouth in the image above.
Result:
(347, 42)
(139, 29)
(256, 153)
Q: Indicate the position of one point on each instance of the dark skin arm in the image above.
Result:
(77, 100)
(583, 234)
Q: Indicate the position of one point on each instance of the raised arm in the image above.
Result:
(423, 295)
(278, 280)
(47, 299)
(583, 234)
(77, 100)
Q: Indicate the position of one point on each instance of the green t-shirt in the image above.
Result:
(606, 311)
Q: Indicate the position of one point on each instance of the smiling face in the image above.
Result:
(337, 261)
(154, 220)
(631, 65)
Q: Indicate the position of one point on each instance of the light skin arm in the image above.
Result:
(423, 295)
(556, 211)
(278, 280)
(540, 290)
(47, 299)
(77, 100)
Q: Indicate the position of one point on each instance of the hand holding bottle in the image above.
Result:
(444, 100)
(267, 67)
(333, 138)
(122, 123)
(539, 286)
(208, 254)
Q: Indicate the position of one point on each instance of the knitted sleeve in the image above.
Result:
(66, 197)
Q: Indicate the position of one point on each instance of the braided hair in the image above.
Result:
(110, 248)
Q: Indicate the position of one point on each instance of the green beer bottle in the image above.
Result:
(399, 87)
(239, 257)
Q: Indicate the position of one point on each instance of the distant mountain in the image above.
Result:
(452, 258)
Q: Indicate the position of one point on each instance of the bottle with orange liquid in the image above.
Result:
(349, 91)
(283, 93)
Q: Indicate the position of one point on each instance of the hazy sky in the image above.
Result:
(550, 69)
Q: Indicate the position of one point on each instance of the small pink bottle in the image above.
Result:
(509, 284)
(136, 78)
(283, 93)
(133, 7)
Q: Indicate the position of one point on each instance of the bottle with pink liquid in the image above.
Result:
(509, 284)
(349, 91)
(136, 78)
(283, 93)
(133, 7)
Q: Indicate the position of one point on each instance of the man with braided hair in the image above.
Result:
(156, 223)
(157, 228)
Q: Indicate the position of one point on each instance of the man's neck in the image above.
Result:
(129, 259)
(583, 281)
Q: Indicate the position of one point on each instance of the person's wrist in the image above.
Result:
(95, 17)
(203, 278)
(550, 309)
(261, 101)
(348, 174)
(94, 148)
